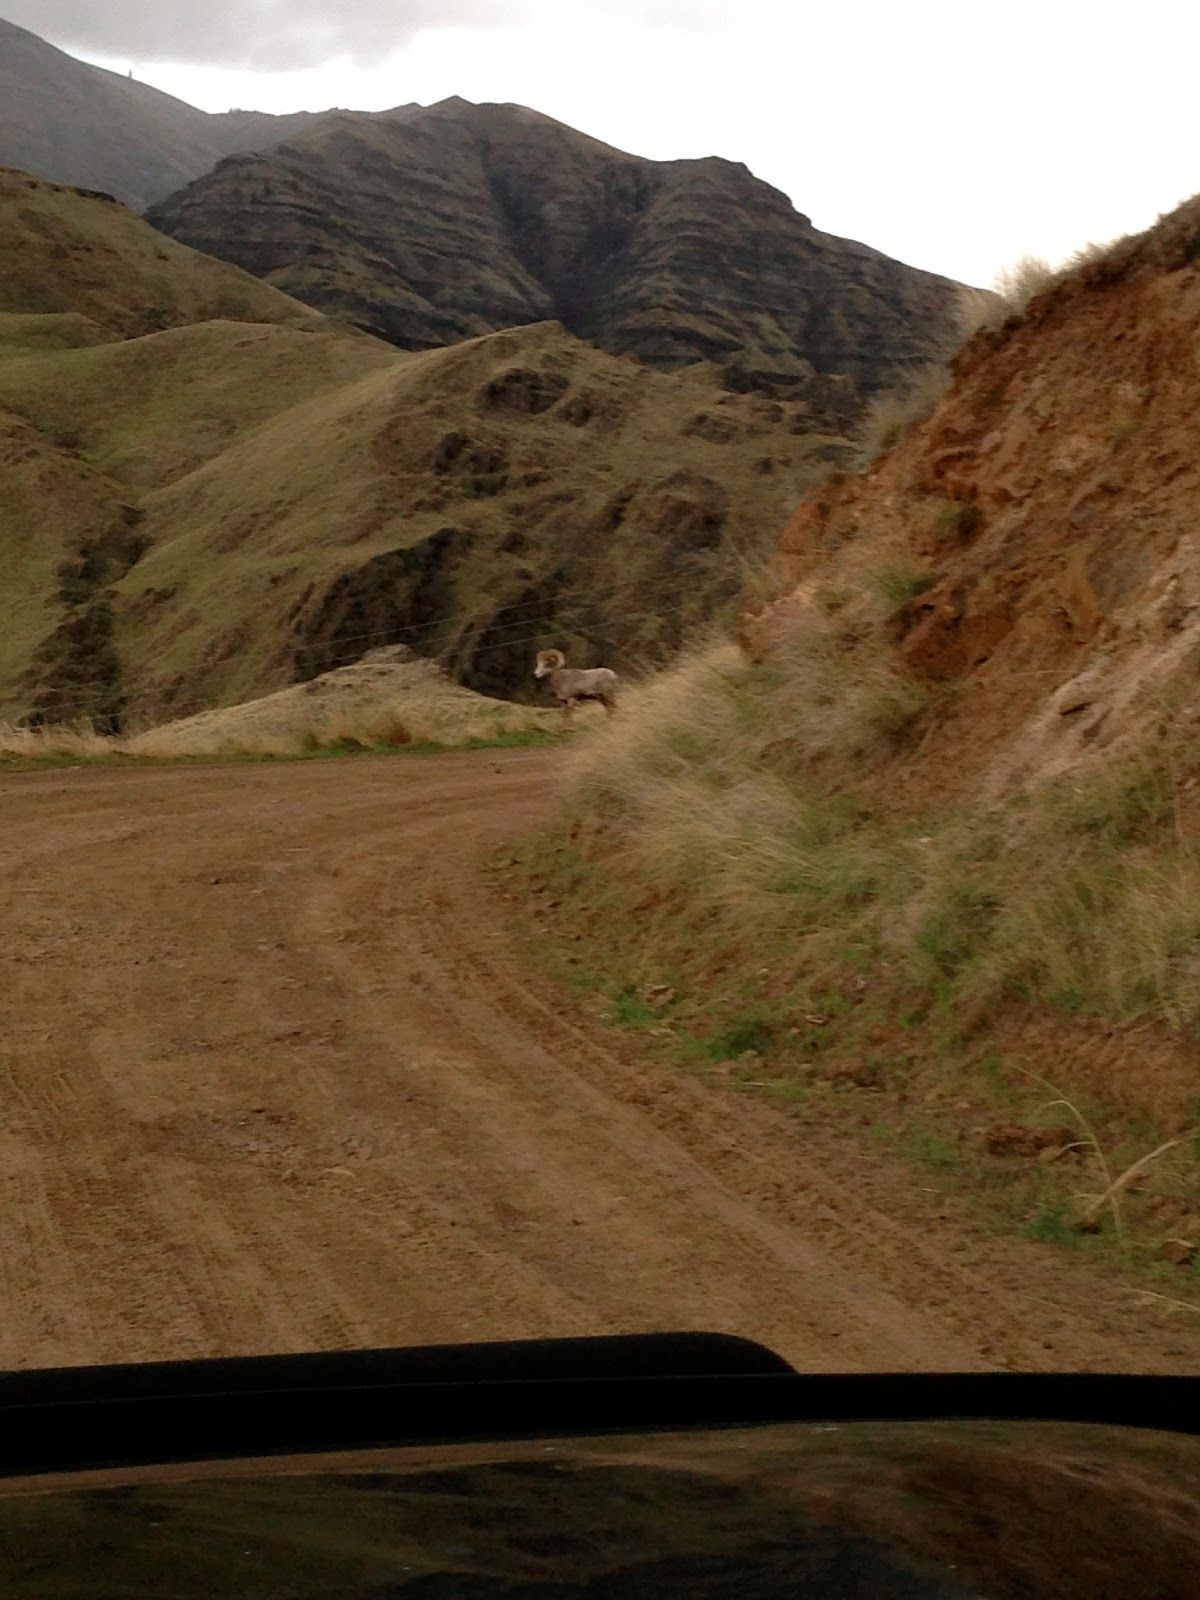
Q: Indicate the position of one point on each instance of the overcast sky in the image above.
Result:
(955, 136)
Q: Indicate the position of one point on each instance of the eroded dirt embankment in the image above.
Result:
(1043, 520)
(274, 1080)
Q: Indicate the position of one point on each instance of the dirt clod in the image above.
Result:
(1178, 1252)
(1013, 1139)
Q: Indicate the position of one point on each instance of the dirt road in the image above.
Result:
(272, 1080)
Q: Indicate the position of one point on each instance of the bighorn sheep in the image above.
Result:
(572, 684)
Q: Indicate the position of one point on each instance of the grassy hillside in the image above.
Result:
(392, 700)
(53, 505)
(69, 254)
(478, 502)
(386, 700)
(209, 492)
(1003, 994)
(146, 411)
(29, 333)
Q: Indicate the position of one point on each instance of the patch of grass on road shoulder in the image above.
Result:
(728, 881)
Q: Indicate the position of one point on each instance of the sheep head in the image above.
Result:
(548, 661)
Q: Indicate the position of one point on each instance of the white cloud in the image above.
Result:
(271, 35)
(281, 35)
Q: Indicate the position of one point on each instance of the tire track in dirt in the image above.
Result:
(273, 1079)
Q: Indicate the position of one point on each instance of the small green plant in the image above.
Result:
(895, 709)
(898, 583)
(954, 925)
(1117, 806)
(1051, 1223)
(991, 1069)
(750, 1032)
(584, 979)
(929, 1147)
(629, 1009)
(956, 522)
(833, 600)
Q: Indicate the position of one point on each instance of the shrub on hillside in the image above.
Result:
(1024, 281)
(889, 416)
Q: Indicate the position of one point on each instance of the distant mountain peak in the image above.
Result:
(450, 221)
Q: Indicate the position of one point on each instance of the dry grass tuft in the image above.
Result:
(752, 802)
(1115, 1182)
(1014, 289)
(1021, 283)
(889, 416)
(69, 742)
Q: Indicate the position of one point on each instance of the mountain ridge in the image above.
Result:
(78, 124)
(430, 225)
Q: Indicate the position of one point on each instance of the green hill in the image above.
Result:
(83, 257)
(208, 492)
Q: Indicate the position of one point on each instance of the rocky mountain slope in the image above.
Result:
(1044, 519)
(208, 491)
(78, 124)
(429, 226)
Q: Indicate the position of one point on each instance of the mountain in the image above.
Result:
(78, 124)
(209, 492)
(425, 226)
